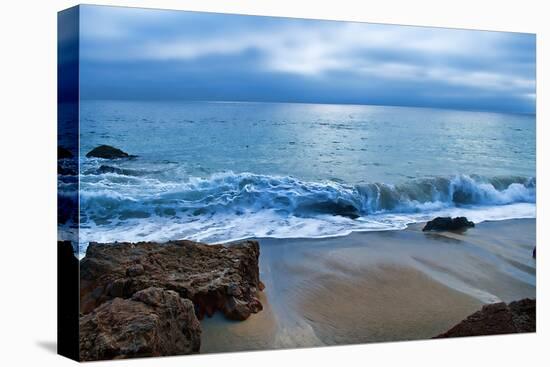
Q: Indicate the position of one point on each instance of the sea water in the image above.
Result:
(221, 171)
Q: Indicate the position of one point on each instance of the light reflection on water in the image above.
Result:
(312, 142)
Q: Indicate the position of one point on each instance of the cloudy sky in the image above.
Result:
(141, 54)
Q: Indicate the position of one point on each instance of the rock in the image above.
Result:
(336, 207)
(448, 224)
(215, 277)
(108, 152)
(66, 166)
(498, 318)
(154, 322)
(135, 270)
(110, 169)
(235, 309)
(107, 169)
(63, 153)
(234, 290)
(118, 288)
(524, 315)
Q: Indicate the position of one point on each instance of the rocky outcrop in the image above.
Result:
(153, 322)
(214, 277)
(448, 224)
(145, 299)
(108, 152)
(498, 318)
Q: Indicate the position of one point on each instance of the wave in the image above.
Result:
(247, 192)
(228, 206)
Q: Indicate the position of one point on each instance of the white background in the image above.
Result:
(28, 182)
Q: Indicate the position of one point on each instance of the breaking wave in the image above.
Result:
(228, 206)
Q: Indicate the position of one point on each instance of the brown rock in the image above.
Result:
(154, 322)
(214, 277)
(498, 318)
(235, 309)
(524, 315)
(135, 270)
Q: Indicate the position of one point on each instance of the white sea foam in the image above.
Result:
(228, 206)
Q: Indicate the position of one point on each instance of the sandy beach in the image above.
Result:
(379, 286)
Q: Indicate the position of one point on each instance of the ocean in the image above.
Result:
(222, 171)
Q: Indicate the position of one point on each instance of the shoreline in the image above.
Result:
(380, 286)
(407, 226)
(366, 287)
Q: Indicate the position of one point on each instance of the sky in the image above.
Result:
(142, 54)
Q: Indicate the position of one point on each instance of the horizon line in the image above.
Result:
(310, 103)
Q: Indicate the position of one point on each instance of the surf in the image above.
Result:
(227, 206)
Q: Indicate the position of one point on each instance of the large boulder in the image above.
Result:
(107, 152)
(448, 224)
(214, 277)
(498, 318)
(153, 322)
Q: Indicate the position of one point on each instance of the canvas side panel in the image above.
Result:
(67, 182)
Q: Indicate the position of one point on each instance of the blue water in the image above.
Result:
(215, 171)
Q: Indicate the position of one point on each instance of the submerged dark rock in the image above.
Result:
(153, 322)
(448, 224)
(498, 318)
(108, 152)
(63, 153)
(214, 277)
(110, 169)
(333, 208)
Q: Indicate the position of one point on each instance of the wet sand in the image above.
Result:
(379, 286)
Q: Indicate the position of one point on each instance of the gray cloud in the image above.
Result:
(132, 53)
